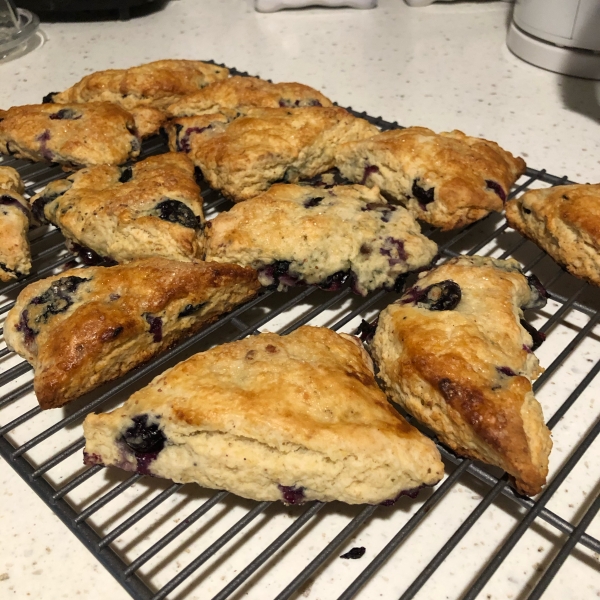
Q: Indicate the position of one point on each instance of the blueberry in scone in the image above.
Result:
(244, 157)
(293, 418)
(454, 352)
(240, 93)
(448, 180)
(85, 327)
(152, 208)
(145, 90)
(73, 135)
(295, 234)
(565, 222)
(15, 218)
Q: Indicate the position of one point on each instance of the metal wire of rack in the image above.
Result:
(58, 477)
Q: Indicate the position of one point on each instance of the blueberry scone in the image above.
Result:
(74, 135)
(565, 222)
(448, 180)
(145, 90)
(88, 326)
(152, 208)
(243, 158)
(245, 92)
(455, 352)
(15, 217)
(293, 418)
(301, 234)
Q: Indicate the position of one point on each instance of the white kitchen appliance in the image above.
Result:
(559, 35)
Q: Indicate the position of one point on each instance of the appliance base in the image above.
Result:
(568, 61)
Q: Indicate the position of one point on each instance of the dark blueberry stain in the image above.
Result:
(538, 291)
(155, 327)
(444, 295)
(369, 170)
(394, 250)
(87, 255)
(183, 141)
(67, 114)
(7, 200)
(126, 175)
(400, 283)
(355, 553)
(91, 459)
(58, 294)
(191, 309)
(332, 175)
(175, 211)
(527, 349)
(385, 209)
(409, 493)
(37, 208)
(366, 331)
(6, 268)
(537, 336)
(114, 297)
(424, 196)
(334, 282)
(23, 326)
(292, 495)
(49, 98)
(506, 371)
(496, 188)
(526, 211)
(311, 202)
(44, 150)
(365, 249)
(144, 437)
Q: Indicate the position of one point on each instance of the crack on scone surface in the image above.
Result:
(155, 326)
(496, 188)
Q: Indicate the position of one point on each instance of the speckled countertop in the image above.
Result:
(446, 67)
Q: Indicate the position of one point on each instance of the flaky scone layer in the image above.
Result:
(322, 235)
(157, 83)
(98, 133)
(245, 92)
(565, 222)
(84, 327)
(243, 158)
(298, 417)
(153, 208)
(453, 353)
(448, 180)
(15, 217)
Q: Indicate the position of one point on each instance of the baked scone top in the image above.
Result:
(447, 179)
(299, 401)
(85, 326)
(156, 83)
(565, 221)
(238, 92)
(75, 134)
(272, 144)
(322, 234)
(152, 208)
(10, 180)
(453, 352)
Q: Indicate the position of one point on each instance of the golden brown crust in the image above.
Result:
(565, 222)
(157, 83)
(301, 411)
(466, 372)
(153, 208)
(98, 323)
(245, 157)
(245, 92)
(460, 179)
(15, 218)
(148, 120)
(75, 134)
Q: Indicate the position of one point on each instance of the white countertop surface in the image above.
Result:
(445, 66)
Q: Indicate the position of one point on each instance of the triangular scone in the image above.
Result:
(74, 135)
(244, 92)
(244, 158)
(565, 222)
(447, 179)
(291, 418)
(303, 234)
(15, 217)
(152, 208)
(453, 352)
(87, 326)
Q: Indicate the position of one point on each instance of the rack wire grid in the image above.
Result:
(470, 532)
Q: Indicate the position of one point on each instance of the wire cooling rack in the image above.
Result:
(471, 533)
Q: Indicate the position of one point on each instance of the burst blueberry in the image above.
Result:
(175, 211)
(144, 436)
